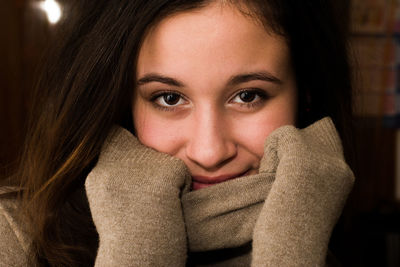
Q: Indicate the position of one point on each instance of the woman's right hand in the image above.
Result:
(134, 196)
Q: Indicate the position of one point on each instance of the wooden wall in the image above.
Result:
(24, 35)
(11, 80)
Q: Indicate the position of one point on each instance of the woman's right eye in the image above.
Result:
(168, 100)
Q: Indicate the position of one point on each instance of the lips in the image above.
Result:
(205, 181)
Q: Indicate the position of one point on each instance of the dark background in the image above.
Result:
(368, 232)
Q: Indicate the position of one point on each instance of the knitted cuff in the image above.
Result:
(311, 186)
(321, 136)
(124, 150)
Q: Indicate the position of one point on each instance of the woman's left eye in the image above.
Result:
(249, 97)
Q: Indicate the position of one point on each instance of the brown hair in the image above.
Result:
(87, 85)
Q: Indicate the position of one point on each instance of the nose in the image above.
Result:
(210, 145)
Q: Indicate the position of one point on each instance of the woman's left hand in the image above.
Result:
(312, 182)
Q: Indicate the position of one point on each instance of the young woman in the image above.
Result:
(173, 133)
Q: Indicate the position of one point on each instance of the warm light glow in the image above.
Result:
(52, 9)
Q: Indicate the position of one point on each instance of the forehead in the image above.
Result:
(217, 38)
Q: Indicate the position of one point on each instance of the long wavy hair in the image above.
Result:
(87, 86)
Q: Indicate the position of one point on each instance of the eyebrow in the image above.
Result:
(154, 77)
(234, 80)
(253, 76)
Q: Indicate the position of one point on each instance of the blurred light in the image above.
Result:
(52, 9)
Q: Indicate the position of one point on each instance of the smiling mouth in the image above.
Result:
(200, 182)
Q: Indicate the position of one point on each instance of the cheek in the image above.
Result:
(252, 131)
(155, 132)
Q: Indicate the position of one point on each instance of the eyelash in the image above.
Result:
(161, 94)
(263, 96)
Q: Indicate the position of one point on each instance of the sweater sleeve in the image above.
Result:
(311, 185)
(134, 195)
(13, 242)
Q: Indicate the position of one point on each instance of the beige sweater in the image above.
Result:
(282, 216)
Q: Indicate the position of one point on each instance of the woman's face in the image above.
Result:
(212, 84)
